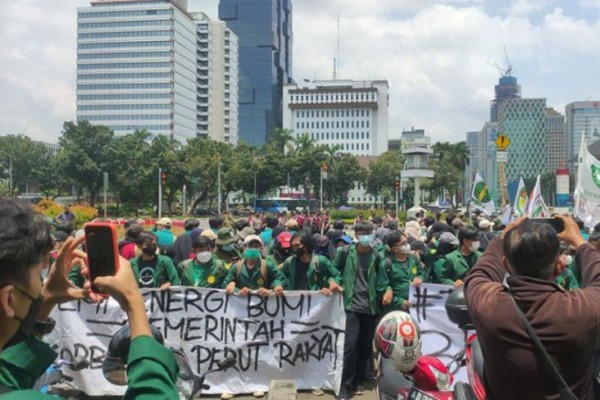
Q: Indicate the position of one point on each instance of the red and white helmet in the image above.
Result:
(398, 338)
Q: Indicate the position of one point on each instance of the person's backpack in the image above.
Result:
(388, 266)
(263, 271)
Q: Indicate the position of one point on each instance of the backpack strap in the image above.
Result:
(388, 266)
(344, 257)
(264, 272)
(315, 260)
(238, 269)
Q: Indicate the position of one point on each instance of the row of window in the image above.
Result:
(132, 13)
(133, 54)
(125, 107)
(112, 86)
(126, 117)
(338, 124)
(328, 97)
(364, 199)
(105, 35)
(132, 128)
(136, 75)
(333, 113)
(124, 24)
(125, 96)
(125, 65)
(354, 146)
(116, 45)
(340, 136)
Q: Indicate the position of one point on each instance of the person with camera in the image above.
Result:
(567, 323)
(26, 303)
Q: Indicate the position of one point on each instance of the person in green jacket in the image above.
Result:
(25, 304)
(307, 271)
(152, 270)
(566, 279)
(204, 270)
(358, 265)
(397, 273)
(461, 260)
(253, 272)
(446, 244)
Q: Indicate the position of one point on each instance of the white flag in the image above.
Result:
(506, 215)
(480, 195)
(587, 190)
(521, 198)
(536, 207)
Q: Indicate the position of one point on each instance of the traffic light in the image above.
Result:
(163, 178)
(324, 166)
(397, 184)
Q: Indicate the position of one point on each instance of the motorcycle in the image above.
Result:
(392, 384)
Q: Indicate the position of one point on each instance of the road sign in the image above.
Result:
(502, 142)
(502, 156)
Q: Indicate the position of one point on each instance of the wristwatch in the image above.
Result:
(42, 328)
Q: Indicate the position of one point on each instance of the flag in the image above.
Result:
(480, 195)
(521, 198)
(536, 207)
(587, 189)
(506, 215)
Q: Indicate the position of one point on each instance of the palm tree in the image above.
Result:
(304, 143)
(281, 138)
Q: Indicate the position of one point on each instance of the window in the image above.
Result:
(367, 137)
(337, 136)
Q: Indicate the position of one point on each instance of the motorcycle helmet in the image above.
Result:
(114, 366)
(431, 374)
(398, 338)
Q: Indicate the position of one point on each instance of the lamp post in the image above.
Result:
(10, 172)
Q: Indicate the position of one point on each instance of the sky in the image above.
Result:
(435, 55)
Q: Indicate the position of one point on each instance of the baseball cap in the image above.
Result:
(484, 224)
(285, 239)
(253, 238)
(449, 238)
(291, 223)
(209, 234)
(345, 239)
(164, 221)
(245, 232)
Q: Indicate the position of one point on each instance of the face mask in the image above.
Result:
(203, 257)
(299, 252)
(405, 249)
(27, 322)
(228, 247)
(569, 259)
(149, 251)
(252, 254)
(365, 240)
(475, 246)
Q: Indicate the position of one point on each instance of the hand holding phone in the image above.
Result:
(102, 252)
(557, 223)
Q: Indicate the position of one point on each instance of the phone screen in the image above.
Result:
(101, 253)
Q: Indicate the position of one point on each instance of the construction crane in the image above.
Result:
(504, 71)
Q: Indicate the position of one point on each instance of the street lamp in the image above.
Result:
(10, 172)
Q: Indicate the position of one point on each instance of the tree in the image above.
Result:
(382, 174)
(169, 155)
(281, 139)
(342, 177)
(27, 156)
(305, 161)
(87, 154)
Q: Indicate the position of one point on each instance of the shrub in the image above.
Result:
(51, 209)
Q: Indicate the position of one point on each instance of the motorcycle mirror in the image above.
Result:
(185, 370)
(227, 362)
(115, 371)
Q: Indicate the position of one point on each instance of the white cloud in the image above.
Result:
(433, 53)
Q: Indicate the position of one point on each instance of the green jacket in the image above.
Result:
(348, 273)
(254, 278)
(398, 279)
(438, 270)
(75, 276)
(567, 280)
(163, 272)
(317, 277)
(208, 277)
(455, 267)
(151, 369)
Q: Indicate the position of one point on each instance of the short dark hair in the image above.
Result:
(338, 224)
(468, 233)
(428, 221)
(202, 241)
(377, 220)
(393, 237)
(363, 227)
(450, 217)
(24, 241)
(272, 222)
(215, 222)
(133, 231)
(305, 237)
(240, 224)
(532, 249)
(66, 227)
(145, 235)
(130, 222)
(190, 224)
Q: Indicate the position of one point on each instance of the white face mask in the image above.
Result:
(405, 249)
(203, 257)
(569, 259)
(475, 246)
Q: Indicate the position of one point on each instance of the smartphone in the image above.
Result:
(102, 251)
(557, 223)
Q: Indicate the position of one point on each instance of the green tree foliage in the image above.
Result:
(27, 158)
(448, 163)
(382, 174)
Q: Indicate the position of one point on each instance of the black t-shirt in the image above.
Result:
(360, 300)
(146, 275)
(301, 275)
(470, 259)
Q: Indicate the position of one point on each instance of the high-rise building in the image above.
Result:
(523, 121)
(556, 142)
(581, 117)
(142, 64)
(350, 114)
(507, 88)
(264, 28)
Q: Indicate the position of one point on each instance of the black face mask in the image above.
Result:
(26, 323)
(300, 251)
(149, 251)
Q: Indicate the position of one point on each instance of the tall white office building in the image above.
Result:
(350, 114)
(144, 64)
(581, 117)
